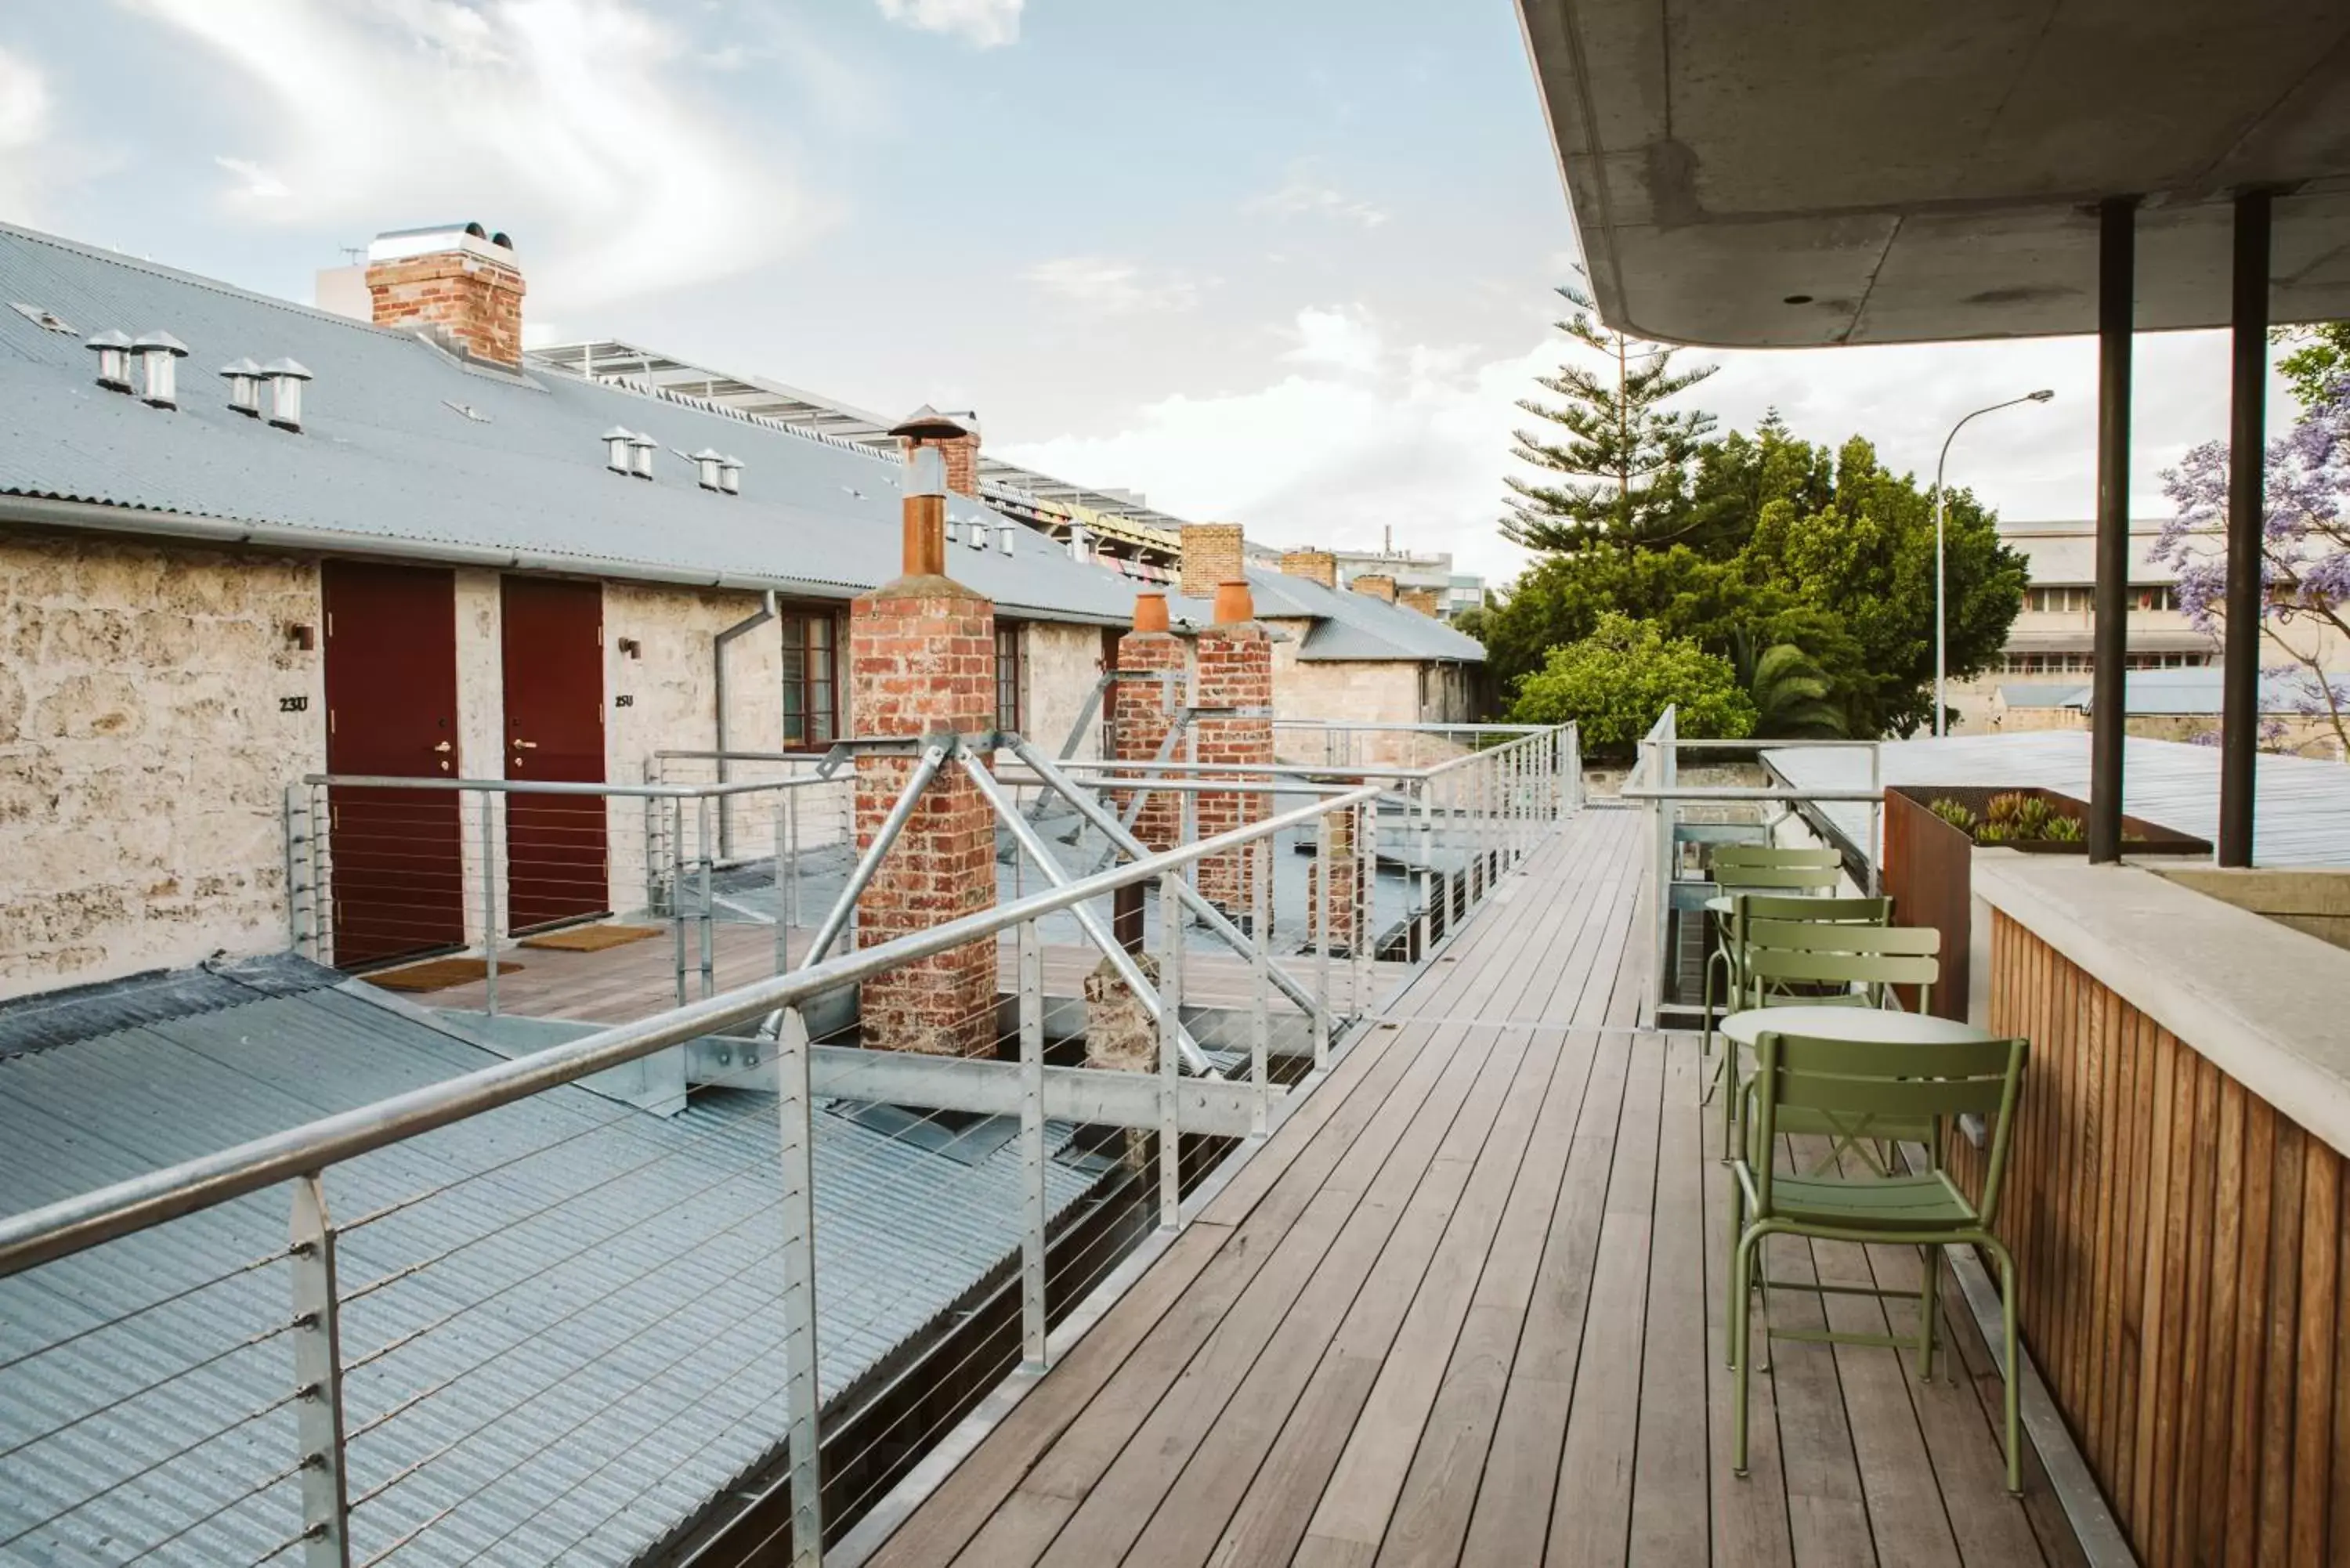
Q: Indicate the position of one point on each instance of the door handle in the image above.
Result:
(528, 745)
(442, 746)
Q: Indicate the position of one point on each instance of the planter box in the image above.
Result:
(1927, 865)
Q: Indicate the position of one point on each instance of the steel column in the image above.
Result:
(318, 1374)
(1424, 918)
(796, 1159)
(1036, 1356)
(1129, 971)
(1170, 982)
(836, 920)
(708, 921)
(2239, 660)
(783, 895)
(2109, 700)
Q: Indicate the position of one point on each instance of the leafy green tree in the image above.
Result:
(1819, 548)
(1622, 458)
(1613, 683)
(2321, 356)
(1788, 688)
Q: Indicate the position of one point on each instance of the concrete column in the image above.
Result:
(1236, 672)
(921, 663)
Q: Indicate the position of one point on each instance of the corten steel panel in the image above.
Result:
(391, 710)
(554, 659)
(1927, 865)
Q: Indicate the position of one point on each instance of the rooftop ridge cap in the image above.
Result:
(193, 279)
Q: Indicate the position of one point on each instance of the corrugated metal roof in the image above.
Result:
(385, 456)
(2302, 814)
(619, 1361)
(1348, 626)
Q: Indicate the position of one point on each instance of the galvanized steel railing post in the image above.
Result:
(790, 901)
(1261, 984)
(1036, 1356)
(783, 902)
(490, 902)
(1424, 922)
(677, 890)
(797, 1158)
(1366, 867)
(319, 1373)
(709, 912)
(1171, 1034)
(1323, 902)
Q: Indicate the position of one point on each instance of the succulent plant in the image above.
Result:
(1956, 813)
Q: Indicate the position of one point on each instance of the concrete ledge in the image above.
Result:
(2263, 1003)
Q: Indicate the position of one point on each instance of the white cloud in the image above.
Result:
(1341, 339)
(1304, 194)
(572, 124)
(24, 126)
(984, 23)
(255, 183)
(1101, 285)
(1355, 440)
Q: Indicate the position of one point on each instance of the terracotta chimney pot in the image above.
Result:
(1150, 612)
(1234, 604)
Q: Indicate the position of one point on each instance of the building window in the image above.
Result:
(1007, 675)
(811, 683)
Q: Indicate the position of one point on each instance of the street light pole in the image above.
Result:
(1941, 576)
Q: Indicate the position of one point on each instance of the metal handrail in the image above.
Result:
(57, 1230)
(559, 786)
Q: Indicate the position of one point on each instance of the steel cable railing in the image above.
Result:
(578, 1305)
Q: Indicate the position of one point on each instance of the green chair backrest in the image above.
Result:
(1799, 907)
(1780, 959)
(1856, 1080)
(1736, 865)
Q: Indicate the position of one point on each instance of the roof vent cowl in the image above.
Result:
(730, 475)
(159, 354)
(243, 378)
(706, 463)
(285, 378)
(616, 448)
(642, 448)
(113, 350)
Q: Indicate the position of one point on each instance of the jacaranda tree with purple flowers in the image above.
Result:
(2304, 551)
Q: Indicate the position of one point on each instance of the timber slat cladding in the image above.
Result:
(2182, 1244)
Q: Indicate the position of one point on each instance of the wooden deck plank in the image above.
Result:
(1193, 1516)
(1510, 1521)
(1670, 1523)
(1430, 1521)
(1591, 1515)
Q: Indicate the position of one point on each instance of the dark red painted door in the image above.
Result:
(555, 730)
(391, 712)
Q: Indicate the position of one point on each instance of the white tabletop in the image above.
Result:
(1869, 1023)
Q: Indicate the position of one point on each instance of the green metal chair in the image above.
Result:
(1739, 869)
(1821, 963)
(1930, 1085)
(1750, 906)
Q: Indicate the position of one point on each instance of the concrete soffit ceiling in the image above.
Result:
(1908, 171)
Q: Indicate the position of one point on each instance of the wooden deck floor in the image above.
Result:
(1465, 1306)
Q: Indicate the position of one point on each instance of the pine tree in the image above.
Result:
(1625, 457)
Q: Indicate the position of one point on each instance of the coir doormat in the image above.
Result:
(589, 939)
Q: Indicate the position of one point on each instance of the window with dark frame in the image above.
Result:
(811, 679)
(1007, 675)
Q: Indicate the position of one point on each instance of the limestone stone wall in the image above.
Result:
(1061, 664)
(154, 707)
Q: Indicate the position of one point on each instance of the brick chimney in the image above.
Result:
(1150, 667)
(461, 284)
(1235, 672)
(1425, 600)
(1213, 556)
(1379, 586)
(921, 661)
(956, 437)
(1314, 566)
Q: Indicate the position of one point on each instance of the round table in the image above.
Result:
(1874, 1025)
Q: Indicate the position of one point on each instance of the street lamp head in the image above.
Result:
(2041, 396)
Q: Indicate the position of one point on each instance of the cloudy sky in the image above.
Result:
(1288, 264)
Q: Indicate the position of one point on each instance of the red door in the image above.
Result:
(391, 712)
(554, 636)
